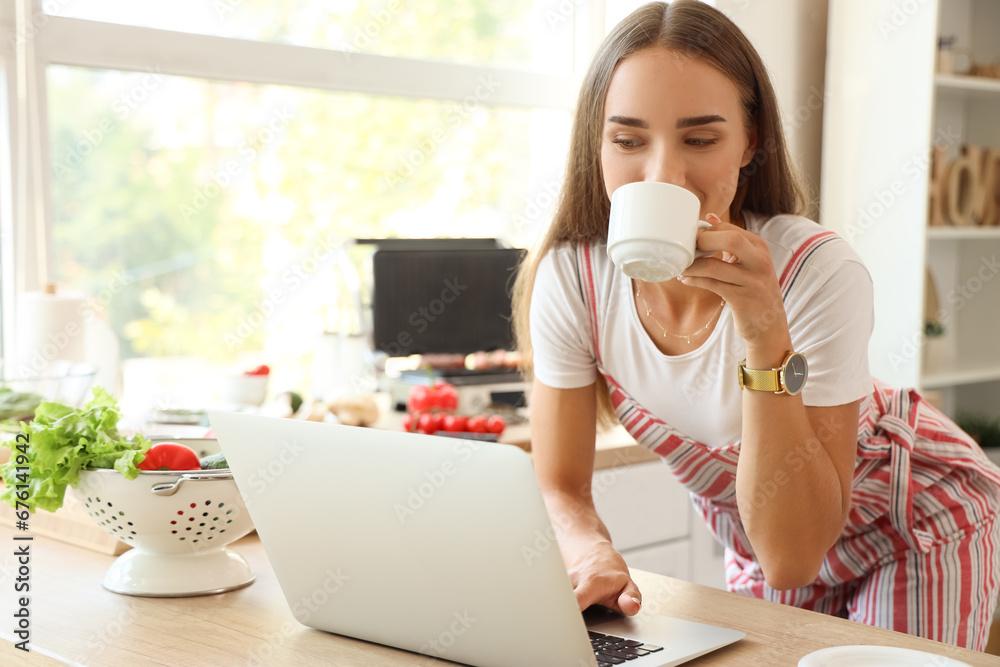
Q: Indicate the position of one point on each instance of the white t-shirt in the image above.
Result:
(830, 316)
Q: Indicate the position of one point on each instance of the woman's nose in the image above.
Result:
(665, 168)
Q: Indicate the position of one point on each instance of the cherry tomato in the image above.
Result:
(170, 456)
(455, 423)
(263, 369)
(426, 397)
(477, 424)
(495, 424)
(429, 422)
(420, 398)
(447, 396)
(409, 421)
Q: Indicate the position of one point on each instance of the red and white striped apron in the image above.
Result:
(920, 552)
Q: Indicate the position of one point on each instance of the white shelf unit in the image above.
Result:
(966, 87)
(965, 261)
(958, 377)
(950, 233)
(886, 107)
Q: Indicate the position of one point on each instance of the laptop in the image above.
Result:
(436, 545)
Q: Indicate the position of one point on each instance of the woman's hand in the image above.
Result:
(600, 576)
(562, 442)
(744, 276)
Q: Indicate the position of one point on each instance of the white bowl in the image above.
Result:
(61, 381)
(245, 389)
(178, 524)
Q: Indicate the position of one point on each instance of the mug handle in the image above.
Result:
(702, 224)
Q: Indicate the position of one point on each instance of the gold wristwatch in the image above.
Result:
(789, 378)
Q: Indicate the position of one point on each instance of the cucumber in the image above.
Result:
(295, 400)
(214, 462)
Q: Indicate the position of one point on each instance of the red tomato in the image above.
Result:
(170, 456)
(409, 422)
(420, 398)
(477, 424)
(495, 424)
(426, 397)
(455, 423)
(447, 396)
(429, 423)
(263, 369)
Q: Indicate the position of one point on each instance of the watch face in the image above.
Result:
(796, 372)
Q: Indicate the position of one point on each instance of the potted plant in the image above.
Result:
(982, 428)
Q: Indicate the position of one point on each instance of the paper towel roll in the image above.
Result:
(103, 350)
(50, 327)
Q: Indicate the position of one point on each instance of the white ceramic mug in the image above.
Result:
(652, 230)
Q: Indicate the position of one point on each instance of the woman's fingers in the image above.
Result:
(601, 576)
(614, 590)
(741, 272)
(740, 261)
(732, 240)
(630, 601)
(594, 589)
(732, 273)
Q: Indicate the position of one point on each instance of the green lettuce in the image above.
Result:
(62, 441)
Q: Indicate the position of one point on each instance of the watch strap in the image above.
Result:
(760, 379)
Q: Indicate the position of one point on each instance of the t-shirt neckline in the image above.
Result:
(647, 339)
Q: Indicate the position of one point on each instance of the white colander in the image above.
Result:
(178, 524)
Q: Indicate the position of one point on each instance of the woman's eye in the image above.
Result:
(625, 143)
(694, 141)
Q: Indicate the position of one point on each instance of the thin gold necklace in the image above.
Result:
(687, 337)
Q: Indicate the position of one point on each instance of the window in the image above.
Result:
(205, 184)
(213, 193)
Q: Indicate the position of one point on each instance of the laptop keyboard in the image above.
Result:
(611, 650)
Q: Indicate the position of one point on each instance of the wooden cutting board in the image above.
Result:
(70, 524)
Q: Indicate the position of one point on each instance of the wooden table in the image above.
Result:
(74, 620)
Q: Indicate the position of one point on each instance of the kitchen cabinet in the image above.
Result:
(653, 524)
(886, 107)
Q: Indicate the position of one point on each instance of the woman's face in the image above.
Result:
(674, 119)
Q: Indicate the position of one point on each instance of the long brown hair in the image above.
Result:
(767, 185)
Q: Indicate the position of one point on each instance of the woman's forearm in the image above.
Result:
(575, 521)
(789, 492)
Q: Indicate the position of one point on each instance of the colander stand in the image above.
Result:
(153, 574)
(179, 528)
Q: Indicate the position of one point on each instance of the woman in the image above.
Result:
(847, 498)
